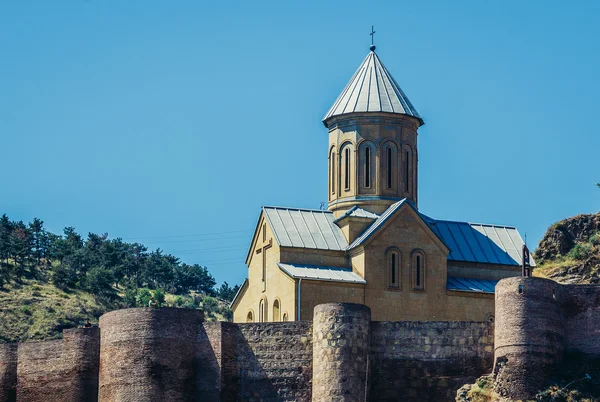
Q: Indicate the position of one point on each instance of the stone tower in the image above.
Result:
(372, 142)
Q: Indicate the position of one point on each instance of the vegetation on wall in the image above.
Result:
(49, 282)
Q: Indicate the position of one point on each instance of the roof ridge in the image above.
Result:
(471, 223)
(326, 211)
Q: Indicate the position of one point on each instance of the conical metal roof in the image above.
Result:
(372, 89)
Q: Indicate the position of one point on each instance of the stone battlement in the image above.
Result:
(168, 354)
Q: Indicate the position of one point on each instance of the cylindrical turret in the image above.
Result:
(63, 370)
(340, 352)
(529, 337)
(149, 354)
(8, 372)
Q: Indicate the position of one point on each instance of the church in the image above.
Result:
(373, 245)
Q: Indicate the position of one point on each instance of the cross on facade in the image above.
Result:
(372, 35)
(262, 249)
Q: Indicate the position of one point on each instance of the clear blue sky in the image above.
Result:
(152, 119)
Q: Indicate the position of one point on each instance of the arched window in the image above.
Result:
(368, 167)
(389, 167)
(250, 317)
(418, 270)
(346, 166)
(347, 169)
(406, 171)
(285, 317)
(262, 310)
(276, 311)
(394, 262)
(332, 170)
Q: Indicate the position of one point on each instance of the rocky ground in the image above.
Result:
(568, 253)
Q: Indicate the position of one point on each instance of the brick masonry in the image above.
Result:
(427, 361)
(171, 355)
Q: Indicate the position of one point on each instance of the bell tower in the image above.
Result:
(373, 159)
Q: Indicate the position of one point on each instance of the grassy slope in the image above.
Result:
(36, 310)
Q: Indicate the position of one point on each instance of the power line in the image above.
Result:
(232, 247)
(186, 235)
(195, 240)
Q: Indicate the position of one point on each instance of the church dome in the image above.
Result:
(372, 89)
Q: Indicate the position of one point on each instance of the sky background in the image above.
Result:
(171, 123)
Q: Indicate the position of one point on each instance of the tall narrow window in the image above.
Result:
(418, 273)
(368, 167)
(393, 268)
(406, 173)
(389, 168)
(261, 311)
(418, 270)
(393, 263)
(249, 317)
(276, 311)
(285, 317)
(332, 171)
(347, 169)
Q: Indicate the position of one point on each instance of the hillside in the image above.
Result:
(49, 282)
(569, 252)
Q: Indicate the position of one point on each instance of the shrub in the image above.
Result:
(159, 297)
(179, 301)
(130, 298)
(143, 298)
(581, 251)
(595, 239)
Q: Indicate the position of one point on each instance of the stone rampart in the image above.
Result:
(538, 321)
(341, 352)
(149, 355)
(171, 355)
(63, 370)
(8, 372)
(427, 361)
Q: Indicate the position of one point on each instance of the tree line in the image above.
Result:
(97, 264)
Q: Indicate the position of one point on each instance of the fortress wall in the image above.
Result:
(427, 361)
(64, 370)
(341, 333)
(274, 361)
(8, 372)
(582, 315)
(530, 335)
(149, 355)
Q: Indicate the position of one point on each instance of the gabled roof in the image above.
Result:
(305, 228)
(372, 89)
(321, 273)
(357, 212)
(379, 222)
(481, 243)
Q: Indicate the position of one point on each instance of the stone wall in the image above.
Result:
(63, 370)
(8, 372)
(274, 361)
(427, 361)
(582, 315)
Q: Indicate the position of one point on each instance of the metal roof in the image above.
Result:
(378, 223)
(305, 228)
(357, 212)
(372, 89)
(321, 273)
(471, 285)
(474, 242)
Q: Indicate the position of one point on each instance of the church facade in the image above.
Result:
(373, 245)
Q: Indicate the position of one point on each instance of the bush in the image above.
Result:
(99, 282)
(159, 297)
(143, 298)
(130, 298)
(62, 277)
(581, 251)
(595, 239)
(179, 301)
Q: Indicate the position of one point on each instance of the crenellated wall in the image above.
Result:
(171, 355)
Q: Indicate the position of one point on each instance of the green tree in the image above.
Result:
(99, 282)
(36, 229)
(5, 238)
(143, 298)
(227, 292)
(159, 297)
